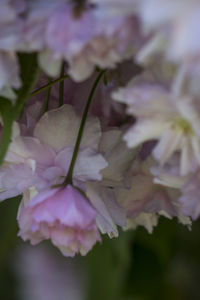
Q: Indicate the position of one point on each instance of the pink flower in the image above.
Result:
(62, 215)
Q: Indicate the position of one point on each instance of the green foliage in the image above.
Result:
(139, 266)
(108, 265)
(8, 226)
(8, 241)
(6, 111)
(29, 74)
(29, 71)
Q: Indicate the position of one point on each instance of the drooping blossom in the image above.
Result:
(45, 156)
(62, 215)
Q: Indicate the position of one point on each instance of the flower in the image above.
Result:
(173, 120)
(44, 158)
(37, 162)
(145, 201)
(89, 41)
(103, 194)
(175, 27)
(62, 215)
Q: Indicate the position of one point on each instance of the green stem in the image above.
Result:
(68, 178)
(61, 86)
(48, 85)
(46, 103)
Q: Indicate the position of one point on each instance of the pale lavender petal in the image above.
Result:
(58, 129)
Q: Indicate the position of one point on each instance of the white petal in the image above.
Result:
(147, 220)
(188, 110)
(88, 164)
(142, 131)
(59, 128)
(116, 154)
(187, 159)
(50, 65)
(80, 68)
(23, 148)
(195, 142)
(108, 210)
(169, 143)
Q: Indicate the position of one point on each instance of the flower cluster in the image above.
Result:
(135, 155)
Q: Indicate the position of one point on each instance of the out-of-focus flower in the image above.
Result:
(62, 215)
(145, 201)
(169, 174)
(42, 273)
(115, 7)
(103, 194)
(10, 10)
(175, 25)
(147, 220)
(162, 115)
(88, 41)
(11, 24)
(190, 199)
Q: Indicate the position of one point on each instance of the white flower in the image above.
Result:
(177, 24)
(172, 120)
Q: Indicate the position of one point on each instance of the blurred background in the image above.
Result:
(136, 266)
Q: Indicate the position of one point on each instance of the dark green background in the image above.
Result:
(164, 265)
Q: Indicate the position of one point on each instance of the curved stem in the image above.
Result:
(68, 178)
(46, 103)
(61, 86)
(48, 85)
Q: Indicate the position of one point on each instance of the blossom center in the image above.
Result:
(183, 125)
